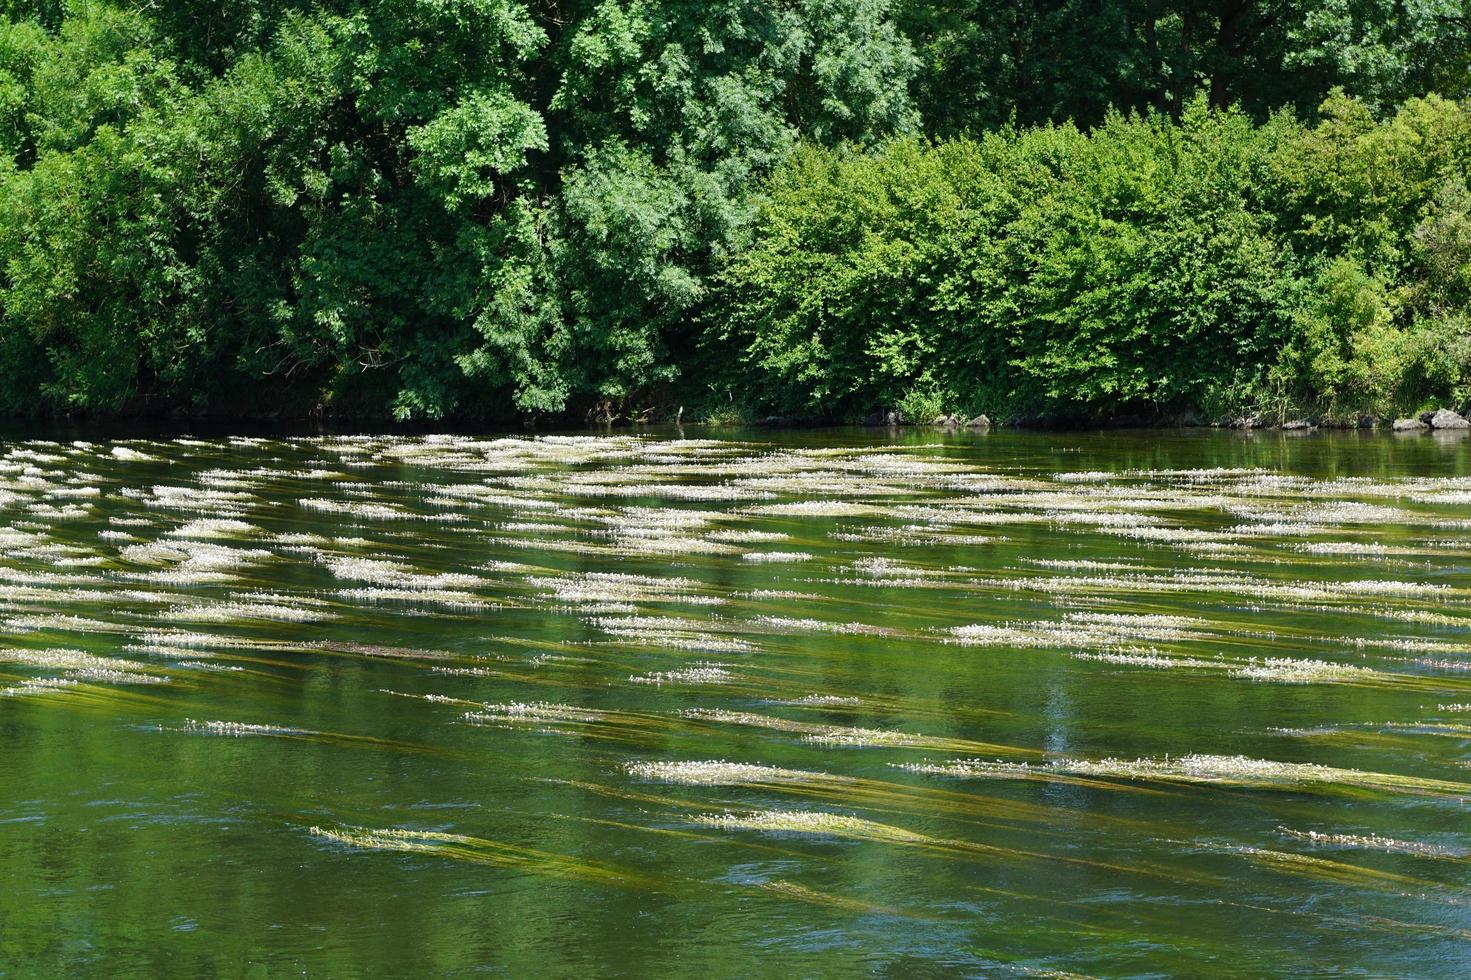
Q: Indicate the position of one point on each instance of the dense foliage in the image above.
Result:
(1145, 269)
(405, 204)
(424, 207)
(1038, 61)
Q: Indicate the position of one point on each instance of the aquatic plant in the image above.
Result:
(603, 589)
(39, 686)
(700, 673)
(477, 850)
(722, 773)
(1371, 842)
(769, 557)
(540, 712)
(236, 729)
(824, 701)
(1284, 670)
(837, 735)
(811, 822)
(1243, 771)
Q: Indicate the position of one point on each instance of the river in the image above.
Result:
(704, 703)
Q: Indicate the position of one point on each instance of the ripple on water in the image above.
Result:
(1055, 658)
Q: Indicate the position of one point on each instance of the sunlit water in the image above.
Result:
(813, 703)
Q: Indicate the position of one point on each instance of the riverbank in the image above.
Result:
(1437, 420)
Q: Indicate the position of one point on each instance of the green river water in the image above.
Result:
(712, 704)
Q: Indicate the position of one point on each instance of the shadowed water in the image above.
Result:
(689, 704)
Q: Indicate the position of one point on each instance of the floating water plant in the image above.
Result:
(697, 674)
(535, 713)
(824, 701)
(769, 557)
(32, 686)
(1283, 670)
(723, 774)
(1237, 770)
(840, 735)
(1370, 842)
(477, 850)
(236, 729)
(811, 822)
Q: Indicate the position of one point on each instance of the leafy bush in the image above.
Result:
(1347, 353)
(1148, 269)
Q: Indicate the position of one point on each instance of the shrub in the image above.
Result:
(1148, 268)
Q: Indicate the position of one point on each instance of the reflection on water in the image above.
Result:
(825, 702)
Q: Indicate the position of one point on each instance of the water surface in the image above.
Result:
(824, 703)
